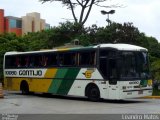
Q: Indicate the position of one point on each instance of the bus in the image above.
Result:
(109, 71)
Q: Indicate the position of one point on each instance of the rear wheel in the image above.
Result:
(93, 93)
(24, 88)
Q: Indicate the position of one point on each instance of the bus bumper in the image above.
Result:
(136, 93)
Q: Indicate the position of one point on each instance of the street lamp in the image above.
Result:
(109, 12)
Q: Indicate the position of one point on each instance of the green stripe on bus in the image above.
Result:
(68, 81)
(57, 82)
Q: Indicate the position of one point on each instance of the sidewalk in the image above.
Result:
(152, 97)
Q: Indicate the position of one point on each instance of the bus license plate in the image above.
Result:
(140, 92)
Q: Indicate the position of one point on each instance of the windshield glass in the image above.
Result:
(133, 65)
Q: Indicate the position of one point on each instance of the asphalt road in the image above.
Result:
(14, 102)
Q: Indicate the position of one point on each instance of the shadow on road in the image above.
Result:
(46, 95)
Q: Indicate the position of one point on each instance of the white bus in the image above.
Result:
(109, 71)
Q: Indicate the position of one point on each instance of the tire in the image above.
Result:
(93, 93)
(25, 88)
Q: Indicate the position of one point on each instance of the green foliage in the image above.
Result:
(156, 92)
(155, 68)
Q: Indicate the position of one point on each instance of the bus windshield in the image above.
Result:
(133, 65)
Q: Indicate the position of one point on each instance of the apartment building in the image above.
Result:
(13, 25)
(1, 21)
(32, 22)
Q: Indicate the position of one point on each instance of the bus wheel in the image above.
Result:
(93, 93)
(24, 88)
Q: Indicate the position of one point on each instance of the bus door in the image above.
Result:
(108, 69)
(113, 78)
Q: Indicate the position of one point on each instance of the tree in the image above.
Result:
(155, 68)
(116, 33)
(85, 5)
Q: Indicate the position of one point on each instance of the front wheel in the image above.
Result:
(93, 94)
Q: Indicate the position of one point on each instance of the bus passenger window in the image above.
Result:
(87, 58)
(31, 64)
(22, 61)
(10, 62)
(52, 60)
(27, 61)
(74, 59)
(60, 60)
(43, 61)
(70, 59)
(67, 59)
(18, 62)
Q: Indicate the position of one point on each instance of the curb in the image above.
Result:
(152, 97)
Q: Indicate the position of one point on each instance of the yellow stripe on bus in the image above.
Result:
(50, 73)
(62, 49)
(40, 85)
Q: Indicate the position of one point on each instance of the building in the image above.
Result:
(9, 24)
(13, 25)
(32, 23)
(20, 26)
(1, 21)
(47, 26)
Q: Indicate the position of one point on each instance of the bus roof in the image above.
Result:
(123, 47)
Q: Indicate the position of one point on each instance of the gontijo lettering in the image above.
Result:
(24, 73)
(30, 73)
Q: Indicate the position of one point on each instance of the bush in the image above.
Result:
(156, 91)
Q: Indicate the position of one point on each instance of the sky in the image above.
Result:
(144, 14)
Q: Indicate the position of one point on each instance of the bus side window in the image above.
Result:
(70, 59)
(61, 61)
(52, 60)
(10, 62)
(43, 60)
(74, 59)
(67, 59)
(87, 58)
(22, 61)
(31, 63)
(27, 61)
(18, 61)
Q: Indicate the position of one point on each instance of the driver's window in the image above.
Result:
(105, 56)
